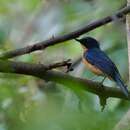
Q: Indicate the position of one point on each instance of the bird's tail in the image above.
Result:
(121, 84)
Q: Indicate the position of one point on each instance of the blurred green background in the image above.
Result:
(28, 103)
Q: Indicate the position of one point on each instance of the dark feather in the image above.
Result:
(101, 61)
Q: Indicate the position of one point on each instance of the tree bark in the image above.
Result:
(39, 71)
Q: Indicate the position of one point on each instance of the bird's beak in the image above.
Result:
(77, 40)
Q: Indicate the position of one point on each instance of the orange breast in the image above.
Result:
(92, 68)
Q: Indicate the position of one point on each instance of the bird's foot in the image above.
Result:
(93, 78)
(102, 81)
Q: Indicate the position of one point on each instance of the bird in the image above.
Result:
(99, 63)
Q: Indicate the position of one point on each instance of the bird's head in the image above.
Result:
(88, 42)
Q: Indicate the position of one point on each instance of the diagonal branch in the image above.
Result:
(39, 70)
(44, 44)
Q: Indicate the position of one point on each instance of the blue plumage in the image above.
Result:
(99, 60)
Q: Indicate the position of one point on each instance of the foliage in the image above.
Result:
(28, 103)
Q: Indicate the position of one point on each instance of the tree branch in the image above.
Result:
(66, 63)
(39, 70)
(69, 36)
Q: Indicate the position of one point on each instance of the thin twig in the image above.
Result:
(66, 63)
(74, 64)
(56, 40)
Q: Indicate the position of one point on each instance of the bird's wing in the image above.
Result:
(100, 60)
